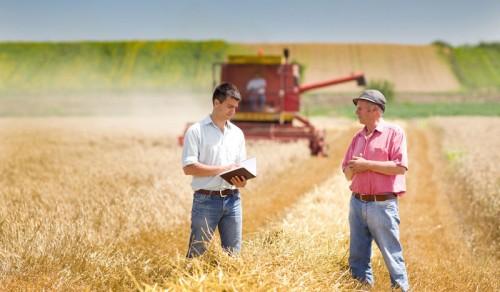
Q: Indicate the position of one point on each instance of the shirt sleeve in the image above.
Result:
(190, 150)
(399, 153)
(348, 154)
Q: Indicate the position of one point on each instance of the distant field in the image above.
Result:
(410, 68)
(186, 65)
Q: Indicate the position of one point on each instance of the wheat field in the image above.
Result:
(102, 204)
(72, 189)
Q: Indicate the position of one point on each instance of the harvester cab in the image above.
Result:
(270, 106)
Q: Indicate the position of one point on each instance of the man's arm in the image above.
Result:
(348, 173)
(200, 169)
(345, 162)
(359, 164)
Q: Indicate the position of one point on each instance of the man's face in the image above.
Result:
(366, 112)
(226, 109)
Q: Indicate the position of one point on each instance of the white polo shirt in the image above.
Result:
(205, 143)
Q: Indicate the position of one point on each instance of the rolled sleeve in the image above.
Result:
(190, 150)
(399, 153)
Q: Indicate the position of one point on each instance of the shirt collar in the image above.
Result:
(379, 128)
(208, 120)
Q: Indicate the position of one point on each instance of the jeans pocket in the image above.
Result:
(203, 202)
(199, 197)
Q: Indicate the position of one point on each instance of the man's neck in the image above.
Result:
(220, 123)
(370, 127)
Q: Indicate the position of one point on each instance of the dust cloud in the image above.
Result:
(167, 112)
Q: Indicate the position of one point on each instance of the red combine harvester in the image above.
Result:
(270, 104)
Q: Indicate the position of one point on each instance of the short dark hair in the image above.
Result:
(225, 90)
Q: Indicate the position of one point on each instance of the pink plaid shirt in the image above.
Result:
(386, 143)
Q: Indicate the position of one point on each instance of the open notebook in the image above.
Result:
(247, 169)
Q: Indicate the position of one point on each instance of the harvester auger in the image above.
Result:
(270, 104)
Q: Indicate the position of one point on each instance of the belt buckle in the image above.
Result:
(221, 195)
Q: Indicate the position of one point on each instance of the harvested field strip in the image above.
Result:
(271, 199)
(305, 250)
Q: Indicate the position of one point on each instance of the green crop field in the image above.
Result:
(478, 67)
(94, 66)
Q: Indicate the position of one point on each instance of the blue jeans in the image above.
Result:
(378, 221)
(210, 212)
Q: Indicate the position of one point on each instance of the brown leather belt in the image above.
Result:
(374, 198)
(221, 193)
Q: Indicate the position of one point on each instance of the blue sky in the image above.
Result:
(370, 21)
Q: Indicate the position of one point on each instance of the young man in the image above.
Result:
(212, 146)
(376, 161)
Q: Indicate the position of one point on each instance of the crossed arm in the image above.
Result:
(359, 164)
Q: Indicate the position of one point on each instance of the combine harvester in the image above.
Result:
(270, 106)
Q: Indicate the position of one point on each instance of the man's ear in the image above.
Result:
(216, 102)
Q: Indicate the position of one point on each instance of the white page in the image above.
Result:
(251, 165)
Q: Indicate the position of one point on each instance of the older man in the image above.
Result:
(376, 162)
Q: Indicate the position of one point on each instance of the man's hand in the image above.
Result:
(239, 182)
(231, 166)
(358, 164)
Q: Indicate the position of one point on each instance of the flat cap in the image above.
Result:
(372, 95)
